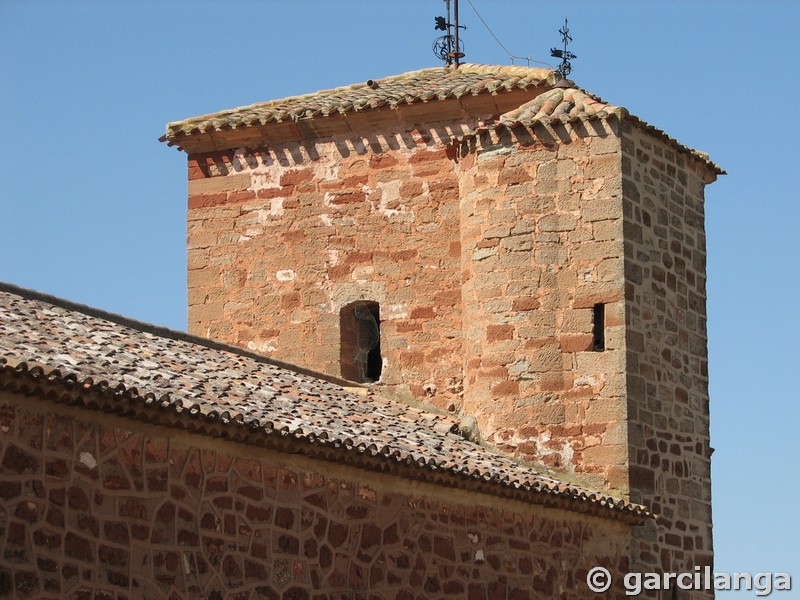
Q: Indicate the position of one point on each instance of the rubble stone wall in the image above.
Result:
(95, 506)
(667, 358)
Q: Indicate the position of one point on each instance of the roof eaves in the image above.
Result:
(114, 397)
(566, 105)
(424, 85)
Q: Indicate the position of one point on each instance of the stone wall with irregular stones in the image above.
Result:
(541, 241)
(100, 507)
(280, 240)
(667, 359)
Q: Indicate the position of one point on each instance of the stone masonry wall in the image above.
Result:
(527, 236)
(281, 239)
(541, 242)
(667, 360)
(487, 262)
(90, 508)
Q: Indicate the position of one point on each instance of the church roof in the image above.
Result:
(425, 85)
(81, 356)
(562, 102)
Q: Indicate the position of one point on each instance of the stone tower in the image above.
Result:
(484, 240)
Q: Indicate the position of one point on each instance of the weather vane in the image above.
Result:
(565, 55)
(448, 47)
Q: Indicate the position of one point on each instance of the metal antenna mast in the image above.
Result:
(449, 47)
(456, 54)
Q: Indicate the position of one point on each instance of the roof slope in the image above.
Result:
(559, 101)
(69, 353)
(425, 85)
(566, 103)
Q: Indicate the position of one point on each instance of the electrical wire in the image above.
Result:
(511, 56)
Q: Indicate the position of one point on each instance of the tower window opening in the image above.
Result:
(360, 334)
(599, 327)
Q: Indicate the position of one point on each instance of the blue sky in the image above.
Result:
(92, 206)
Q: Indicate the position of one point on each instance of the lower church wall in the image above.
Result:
(97, 506)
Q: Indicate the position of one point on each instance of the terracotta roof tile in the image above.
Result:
(426, 85)
(568, 103)
(53, 348)
(563, 102)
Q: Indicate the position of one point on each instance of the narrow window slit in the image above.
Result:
(360, 347)
(599, 327)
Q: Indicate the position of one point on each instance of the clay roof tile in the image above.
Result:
(48, 345)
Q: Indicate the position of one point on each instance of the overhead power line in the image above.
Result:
(510, 55)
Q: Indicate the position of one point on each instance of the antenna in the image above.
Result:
(448, 47)
(565, 55)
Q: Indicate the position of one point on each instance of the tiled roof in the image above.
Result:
(565, 104)
(425, 85)
(70, 353)
(568, 104)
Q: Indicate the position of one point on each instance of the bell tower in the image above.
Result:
(490, 241)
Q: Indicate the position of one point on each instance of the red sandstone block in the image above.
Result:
(19, 460)
(242, 196)
(413, 359)
(427, 156)
(291, 300)
(196, 171)
(206, 200)
(514, 175)
(448, 298)
(354, 182)
(506, 388)
(528, 447)
(423, 312)
(270, 193)
(566, 431)
(354, 166)
(576, 343)
(294, 235)
(339, 272)
(410, 188)
(496, 333)
(348, 198)
(358, 257)
(594, 428)
(382, 161)
(526, 303)
(552, 460)
(552, 382)
(589, 295)
(296, 176)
